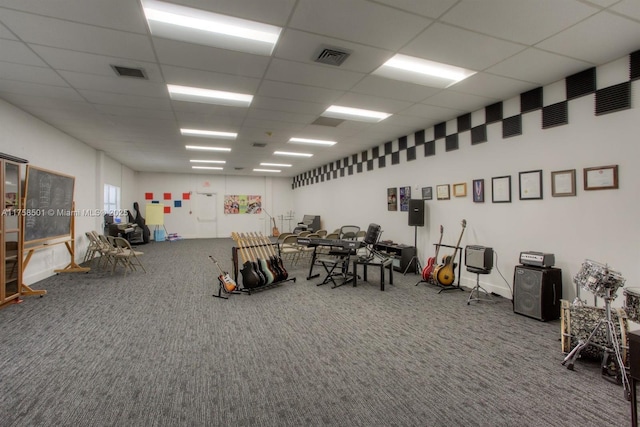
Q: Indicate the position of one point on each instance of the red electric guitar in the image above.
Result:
(427, 271)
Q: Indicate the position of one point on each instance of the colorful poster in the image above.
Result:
(392, 199)
(405, 196)
(242, 204)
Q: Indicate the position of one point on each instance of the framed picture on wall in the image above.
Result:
(563, 183)
(427, 193)
(460, 190)
(601, 178)
(442, 192)
(501, 189)
(405, 196)
(530, 185)
(478, 190)
(392, 199)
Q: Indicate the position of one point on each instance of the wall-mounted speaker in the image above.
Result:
(416, 212)
(537, 292)
(478, 257)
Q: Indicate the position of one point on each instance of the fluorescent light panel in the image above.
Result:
(311, 141)
(422, 71)
(215, 168)
(276, 165)
(208, 161)
(292, 154)
(266, 170)
(209, 96)
(358, 114)
(209, 133)
(211, 29)
(204, 148)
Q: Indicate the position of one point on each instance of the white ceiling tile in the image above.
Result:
(4, 31)
(126, 100)
(394, 89)
(456, 46)
(70, 35)
(298, 92)
(491, 86)
(19, 53)
(28, 73)
(534, 64)
(631, 8)
(283, 116)
(122, 85)
(383, 26)
(462, 102)
(301, 46)
(431, 8)
(597, 39)
(312, 75)
(82, 62)
(434, 112)
(187, 55)
(368, 102)
(123, 15)
(275, 12)
(287, 105)
(40, 90)
(523, 21)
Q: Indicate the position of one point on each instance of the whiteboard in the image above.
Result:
(155, 214)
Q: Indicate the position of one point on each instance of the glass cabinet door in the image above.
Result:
(10, 238)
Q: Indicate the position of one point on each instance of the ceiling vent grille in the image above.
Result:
(259, 144)
(332, 56)
(137, 73)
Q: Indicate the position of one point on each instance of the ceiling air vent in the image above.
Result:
(332, 56)
(137, 73)
(259, 144)
(238, 169)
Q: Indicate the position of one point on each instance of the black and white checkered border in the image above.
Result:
(407, 148)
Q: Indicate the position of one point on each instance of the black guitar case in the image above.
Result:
(146, 234)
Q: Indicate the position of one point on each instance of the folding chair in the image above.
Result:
(126, 256)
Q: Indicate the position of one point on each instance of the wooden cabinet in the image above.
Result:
(10, 251)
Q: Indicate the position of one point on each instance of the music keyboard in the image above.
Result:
(344, 244)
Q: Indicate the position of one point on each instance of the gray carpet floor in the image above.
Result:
(157, 349)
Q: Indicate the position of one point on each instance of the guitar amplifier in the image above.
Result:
(537, 259)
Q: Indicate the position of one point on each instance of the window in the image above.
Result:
(112, 200)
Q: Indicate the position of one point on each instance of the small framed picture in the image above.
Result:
(601, 178)
(563, 183)
(460, 190)
(427, 193)
(478, 190)
(442, 192)
(392, 199)
(501, 189)
(530, 185)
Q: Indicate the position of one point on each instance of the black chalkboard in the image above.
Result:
(49, 204)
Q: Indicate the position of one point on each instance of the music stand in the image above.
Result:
(478, 288)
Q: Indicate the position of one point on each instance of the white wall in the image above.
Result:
(598, 225)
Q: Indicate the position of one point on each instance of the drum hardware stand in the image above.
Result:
(478, 288)
(612, 365)
(414, 259)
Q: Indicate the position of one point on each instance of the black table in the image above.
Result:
(382, 263)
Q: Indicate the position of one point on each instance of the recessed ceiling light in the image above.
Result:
(212, 29)
(339, 112)
(311, 141)
(208, 161)
(215, 168)
(422, 71)
(209, 96)
(289, 153)
(277, 165)
(209, 133)
(204, 148)
(266, 170)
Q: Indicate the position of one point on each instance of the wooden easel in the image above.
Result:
(72, 267)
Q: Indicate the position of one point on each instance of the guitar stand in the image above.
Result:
(222, 290)
(479, 288)
(453, 285)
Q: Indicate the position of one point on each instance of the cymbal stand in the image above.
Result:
(612, 364)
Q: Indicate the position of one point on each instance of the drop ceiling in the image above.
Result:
(57, 58)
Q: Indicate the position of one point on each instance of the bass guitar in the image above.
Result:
(427, 271)
(227, 283)
(445, 274)
(251, 278)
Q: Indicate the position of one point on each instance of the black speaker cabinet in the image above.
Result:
(416, 212)
(478, 257)
(537, 292)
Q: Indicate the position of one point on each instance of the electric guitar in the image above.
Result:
(227, 283)
(427, 271)
(445, 274)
